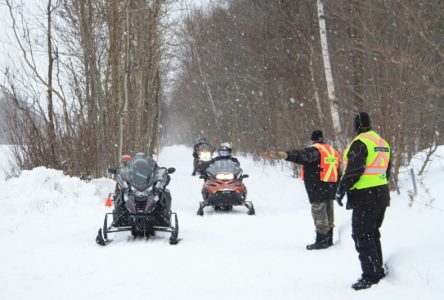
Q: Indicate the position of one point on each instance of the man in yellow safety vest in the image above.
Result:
(366, 165)
(321, 175)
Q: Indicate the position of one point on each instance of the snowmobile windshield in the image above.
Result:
(224, 166)
(141, 171)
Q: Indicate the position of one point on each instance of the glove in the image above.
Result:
(275, 155)
(281, 155)
(338, 197)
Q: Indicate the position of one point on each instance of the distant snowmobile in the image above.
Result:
(223, 187)
(203, 153)
(142, 203)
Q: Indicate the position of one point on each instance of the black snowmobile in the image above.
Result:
(142, 203)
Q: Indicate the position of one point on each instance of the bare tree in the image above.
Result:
(95, 91)
(264, 64)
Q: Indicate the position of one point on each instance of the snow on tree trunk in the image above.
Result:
(327, 67)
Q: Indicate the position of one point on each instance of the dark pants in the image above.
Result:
(195, 163)
(365, 232)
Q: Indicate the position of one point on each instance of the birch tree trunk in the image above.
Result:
(327, 68)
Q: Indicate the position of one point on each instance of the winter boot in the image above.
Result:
(363, 283)
(330, 237)
(322, 242)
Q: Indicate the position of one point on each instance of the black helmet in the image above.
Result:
(224, 151)
(201, 140)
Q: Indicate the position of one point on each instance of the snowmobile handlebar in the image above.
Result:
(117, 170)
(114, 170)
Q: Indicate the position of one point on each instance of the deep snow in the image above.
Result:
(48, 224)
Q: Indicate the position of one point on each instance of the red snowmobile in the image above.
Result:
(224, 188)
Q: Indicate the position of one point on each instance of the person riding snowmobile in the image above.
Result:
(142, 202)
(223, 187)
(126, 160)
(202, 152)
(223, 153)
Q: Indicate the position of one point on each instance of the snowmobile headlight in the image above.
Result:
(141, 193)
(205, 155)
(225, 176)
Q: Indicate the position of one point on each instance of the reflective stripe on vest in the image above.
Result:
(329, 163)
(376, 163)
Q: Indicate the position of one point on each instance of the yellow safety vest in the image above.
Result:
(376, 163)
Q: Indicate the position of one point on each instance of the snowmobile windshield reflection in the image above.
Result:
(140, 172)
(222, 169)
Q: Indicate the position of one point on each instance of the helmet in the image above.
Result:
(201, 140)
(224, 151)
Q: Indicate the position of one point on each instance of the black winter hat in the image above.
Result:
(317, 136)
(362, 122)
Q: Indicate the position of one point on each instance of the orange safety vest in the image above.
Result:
(329, 163)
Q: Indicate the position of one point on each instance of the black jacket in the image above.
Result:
(378, 196)
(317, 190)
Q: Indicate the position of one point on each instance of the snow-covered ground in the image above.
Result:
(48, 224)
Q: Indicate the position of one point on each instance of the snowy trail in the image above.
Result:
(50, 222)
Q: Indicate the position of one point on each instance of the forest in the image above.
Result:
(94, 79)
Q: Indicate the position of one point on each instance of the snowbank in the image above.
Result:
(429, 184)
(48, 224)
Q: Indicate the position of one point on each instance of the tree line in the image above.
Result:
(251, 72)
(88, 84)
